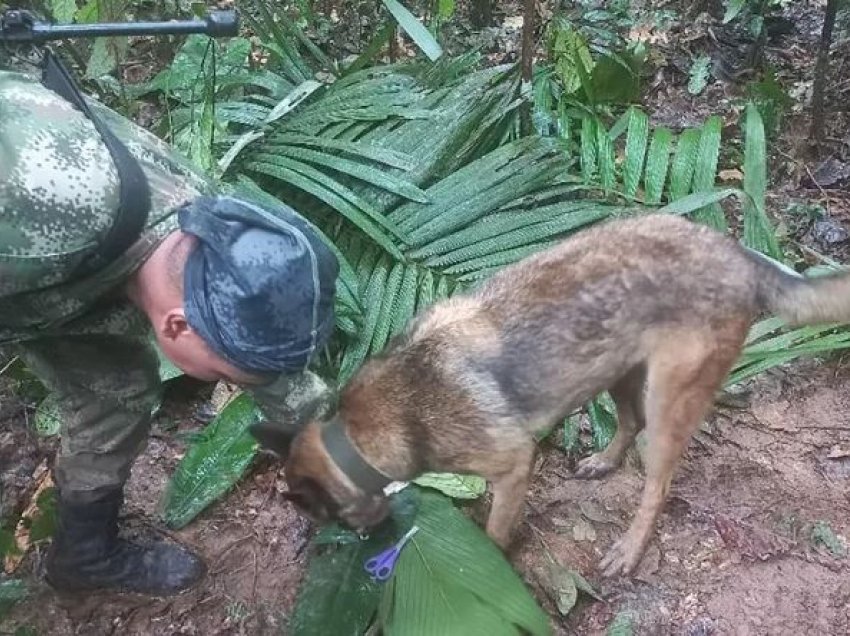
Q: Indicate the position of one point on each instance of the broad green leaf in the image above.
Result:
(415, 29)
(451, 579)
(337, 596)
(699, 74)
(456, 486)
(102, 60)
(657, 163)
(636, 140)
(758, 232)
(48, 417)
(212, 465)
(705, 170)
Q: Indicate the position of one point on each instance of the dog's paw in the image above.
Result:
(594, 467)
(621, 559)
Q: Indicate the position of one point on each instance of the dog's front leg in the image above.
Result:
(509, 490)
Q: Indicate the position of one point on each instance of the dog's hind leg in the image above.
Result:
(627, 394)
(509, 491)
(685, 371)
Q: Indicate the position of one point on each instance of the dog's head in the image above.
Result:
(317, 486)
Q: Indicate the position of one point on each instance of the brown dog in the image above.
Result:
(654, 309)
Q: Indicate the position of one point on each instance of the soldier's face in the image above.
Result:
(188, 351)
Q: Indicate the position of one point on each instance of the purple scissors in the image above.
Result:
(381, 566)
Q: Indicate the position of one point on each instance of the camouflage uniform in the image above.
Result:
(82, 337)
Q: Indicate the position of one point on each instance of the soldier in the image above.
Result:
(231, 290)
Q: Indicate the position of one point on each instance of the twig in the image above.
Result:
(8, 364)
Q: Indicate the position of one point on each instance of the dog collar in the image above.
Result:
(350, 461)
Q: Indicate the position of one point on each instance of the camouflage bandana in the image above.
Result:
(259, 287)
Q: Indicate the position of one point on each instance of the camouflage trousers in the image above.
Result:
(108, 388)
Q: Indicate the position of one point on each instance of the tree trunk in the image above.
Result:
(482, 13)
(527, 59)
(821, 69)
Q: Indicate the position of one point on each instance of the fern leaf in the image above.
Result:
(388, 304)
(657, 163)
(605, 150)
(758, 233)
(636, 140)
(379, 178)
(405, 304)
(400, 160)
(684, 161)
(331, 192)
(372, 302)
(469, 270)
(705, 171)
(588, 149)
(527, 234)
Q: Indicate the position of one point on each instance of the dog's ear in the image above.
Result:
(272, 438)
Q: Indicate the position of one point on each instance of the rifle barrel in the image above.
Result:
(217, 23)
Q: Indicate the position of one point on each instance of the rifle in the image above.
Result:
(22, 27)
(19, 26)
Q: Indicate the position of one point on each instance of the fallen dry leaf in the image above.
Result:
(755, 544)
(22, 533)
(836, 452)
(733, 174)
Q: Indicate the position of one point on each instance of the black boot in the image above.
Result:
(86, 554)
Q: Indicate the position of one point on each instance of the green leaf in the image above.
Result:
(11, 591)
(212, 465)
(636, 140)
(372, 303)
(758, 232)
(705, 170)
(337, 597)
(733, 8)
(603, 421)
(657, 163)
(451, 579)
(699, 74)
(167, 369)
(684, 160)
(561, 586)
(415, 29)
(621, 625)
(698, 200)
(456, 486)
(588, 149)
(43, 524)
(63, 10)
(48, 417)
(102, 60)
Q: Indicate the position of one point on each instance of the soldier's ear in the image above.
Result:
(272, 438)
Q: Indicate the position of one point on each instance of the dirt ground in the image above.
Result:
(755, 539)
(734, 552)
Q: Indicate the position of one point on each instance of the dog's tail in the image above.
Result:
(801, 300)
